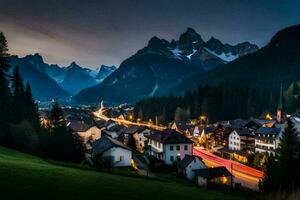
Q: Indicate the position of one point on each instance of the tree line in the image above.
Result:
(20, 127)
(225, 101)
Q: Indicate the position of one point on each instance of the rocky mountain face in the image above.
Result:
(162, 65)
(104, 71)
(76, 78)
(275, 64)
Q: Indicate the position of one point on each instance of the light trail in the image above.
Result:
(99, 114)
(243, 174)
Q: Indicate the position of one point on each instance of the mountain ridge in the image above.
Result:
(159, 66)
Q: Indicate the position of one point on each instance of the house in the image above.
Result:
(188, 164)
(114, 130)
(43, 115)
(196, 130)
(139, 135)
(86, 128)
(206, 136)
(169, 145)
(213, 175)
(107, 149)
(241, 139)
(241, 156)
(110, 123)
(182, 127)
(254, 124)
(267, 139)
(233, 123)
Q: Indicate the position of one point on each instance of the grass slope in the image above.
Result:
(22, 176)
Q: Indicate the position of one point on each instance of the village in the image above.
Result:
(226, 152)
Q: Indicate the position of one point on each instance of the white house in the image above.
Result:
(106, 147)
(169, 145)
(187, 166)
(267, 139)
(241, 139)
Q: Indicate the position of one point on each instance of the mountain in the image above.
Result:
(77, 78)
(43, 87)
(162, 65)
(191, 48)
(71, 79)
(276, 63)
(104, 72)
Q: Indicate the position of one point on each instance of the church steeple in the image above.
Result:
(280, 107)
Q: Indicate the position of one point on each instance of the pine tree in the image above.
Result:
(4, 55)
(18, 101)
(288, 156)
(270, 180)
(62, 144)
(31, 107)
(56, 118)
(5, 95)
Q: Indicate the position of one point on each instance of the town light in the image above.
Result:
(131, 117)
(268, 117)
(203, 117)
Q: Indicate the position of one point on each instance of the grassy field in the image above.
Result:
(23, 176)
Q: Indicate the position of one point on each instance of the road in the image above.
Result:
(100, 115)
(247, 176)
(243, 174)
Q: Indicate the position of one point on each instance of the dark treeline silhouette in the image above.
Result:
(222, 102)
(19, 119)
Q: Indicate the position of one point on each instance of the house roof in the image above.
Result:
(268, 130)
(242, 131)
(237, 122)
(135, 129)
(109, 122)
(104, 143)
(182, 126)
(169, 136)
(259, 122)
(209, 129)
(116, 128)
(233, 123)
(100, 123)
(80, 125)
(210, 173)
(187, 160)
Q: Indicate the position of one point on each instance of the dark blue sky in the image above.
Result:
(106, 32)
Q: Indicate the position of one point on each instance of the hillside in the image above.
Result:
(27, 176)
